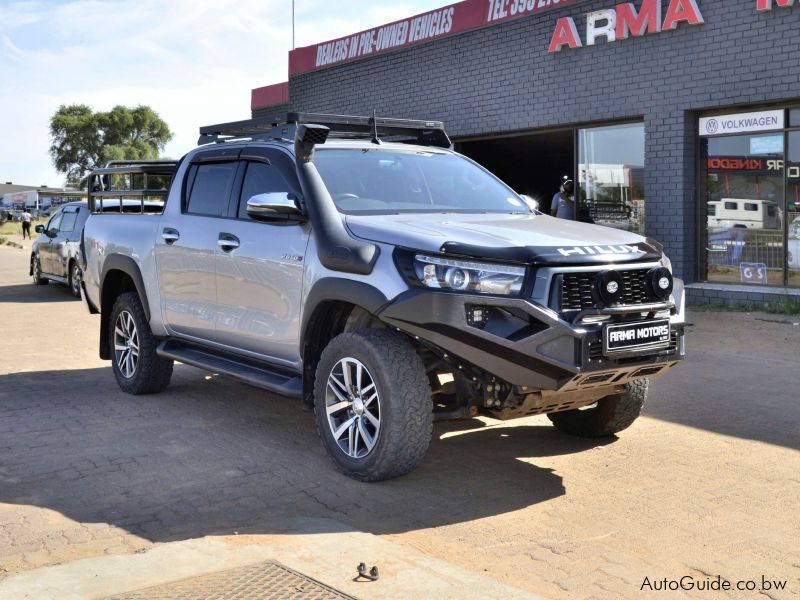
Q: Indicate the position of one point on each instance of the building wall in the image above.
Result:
(502, 78)
(271, 111)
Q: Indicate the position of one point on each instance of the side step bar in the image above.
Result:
(259, 376)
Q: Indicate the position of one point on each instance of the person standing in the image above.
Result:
(563, 205)
(26, 224)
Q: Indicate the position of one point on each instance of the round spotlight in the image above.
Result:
(608, 287)
(660, 283)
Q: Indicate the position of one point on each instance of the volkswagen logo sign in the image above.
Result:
(664, 283)
(612, 287)
(712, 126)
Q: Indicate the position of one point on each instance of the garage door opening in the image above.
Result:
(532, 164)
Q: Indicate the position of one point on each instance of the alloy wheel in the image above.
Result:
(126, 344)
(75, 279)
(353, 407)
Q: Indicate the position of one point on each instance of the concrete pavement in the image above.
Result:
(705, 483)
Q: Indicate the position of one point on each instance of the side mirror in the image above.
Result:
(39, 229)
(274, 206)
(532, 204)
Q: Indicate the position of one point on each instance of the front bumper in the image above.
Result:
(528, 345)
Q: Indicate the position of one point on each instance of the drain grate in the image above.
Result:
(254, 582)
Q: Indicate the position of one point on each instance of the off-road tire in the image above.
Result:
(611, 415)
(406, 409)
(36, 272)
(152, 373)
(75, 290)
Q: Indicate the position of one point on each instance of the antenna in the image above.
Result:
(375, 139)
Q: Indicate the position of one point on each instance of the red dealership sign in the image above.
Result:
(449, 20)
(765, 5)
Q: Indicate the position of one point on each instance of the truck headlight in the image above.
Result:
(468, 276)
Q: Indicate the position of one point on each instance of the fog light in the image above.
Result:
(477, 316)
(660, 283)
(608, 287)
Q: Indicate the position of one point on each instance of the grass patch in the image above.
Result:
(12, 227)
(719, 307)
(785, 306)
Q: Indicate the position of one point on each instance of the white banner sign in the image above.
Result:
(765, 120)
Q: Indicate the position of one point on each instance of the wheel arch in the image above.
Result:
(331, 307)
(120, 274)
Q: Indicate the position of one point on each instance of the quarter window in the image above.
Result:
(211, 188)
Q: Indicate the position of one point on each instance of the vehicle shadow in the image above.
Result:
(749, 397)
(210, 456)
(28, 292)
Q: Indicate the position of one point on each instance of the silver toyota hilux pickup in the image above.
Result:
(362, 266)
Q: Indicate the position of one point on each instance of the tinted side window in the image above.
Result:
(260, 178)
(211, 189)
(68, 222)
(55, 221)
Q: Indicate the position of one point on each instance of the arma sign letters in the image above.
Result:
(624, 21)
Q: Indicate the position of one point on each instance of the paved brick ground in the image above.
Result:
(706, 483)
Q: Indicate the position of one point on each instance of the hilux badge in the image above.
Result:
(584, 250)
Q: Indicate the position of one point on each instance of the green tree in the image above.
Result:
(83, 140)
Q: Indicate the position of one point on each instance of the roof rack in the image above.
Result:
(160, 162)
(100, 183)
(424, 133)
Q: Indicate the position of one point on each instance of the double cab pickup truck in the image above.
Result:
(362, 266)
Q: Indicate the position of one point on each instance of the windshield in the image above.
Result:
(377, 181)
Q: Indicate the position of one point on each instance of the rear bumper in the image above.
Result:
(86, 302)
(529, 345)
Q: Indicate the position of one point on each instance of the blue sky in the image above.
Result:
(193, 61)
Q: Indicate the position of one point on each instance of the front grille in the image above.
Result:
(577, 294)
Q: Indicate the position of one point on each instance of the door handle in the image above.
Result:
(227, 242)
(170, 235)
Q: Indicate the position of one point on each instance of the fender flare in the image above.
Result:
(327, 289)
(120, 262)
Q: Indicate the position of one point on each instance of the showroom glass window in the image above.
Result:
(610, 188)
(751, 205)
(793, 206)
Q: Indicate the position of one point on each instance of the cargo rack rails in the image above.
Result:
(99, 186)
(423, 133)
